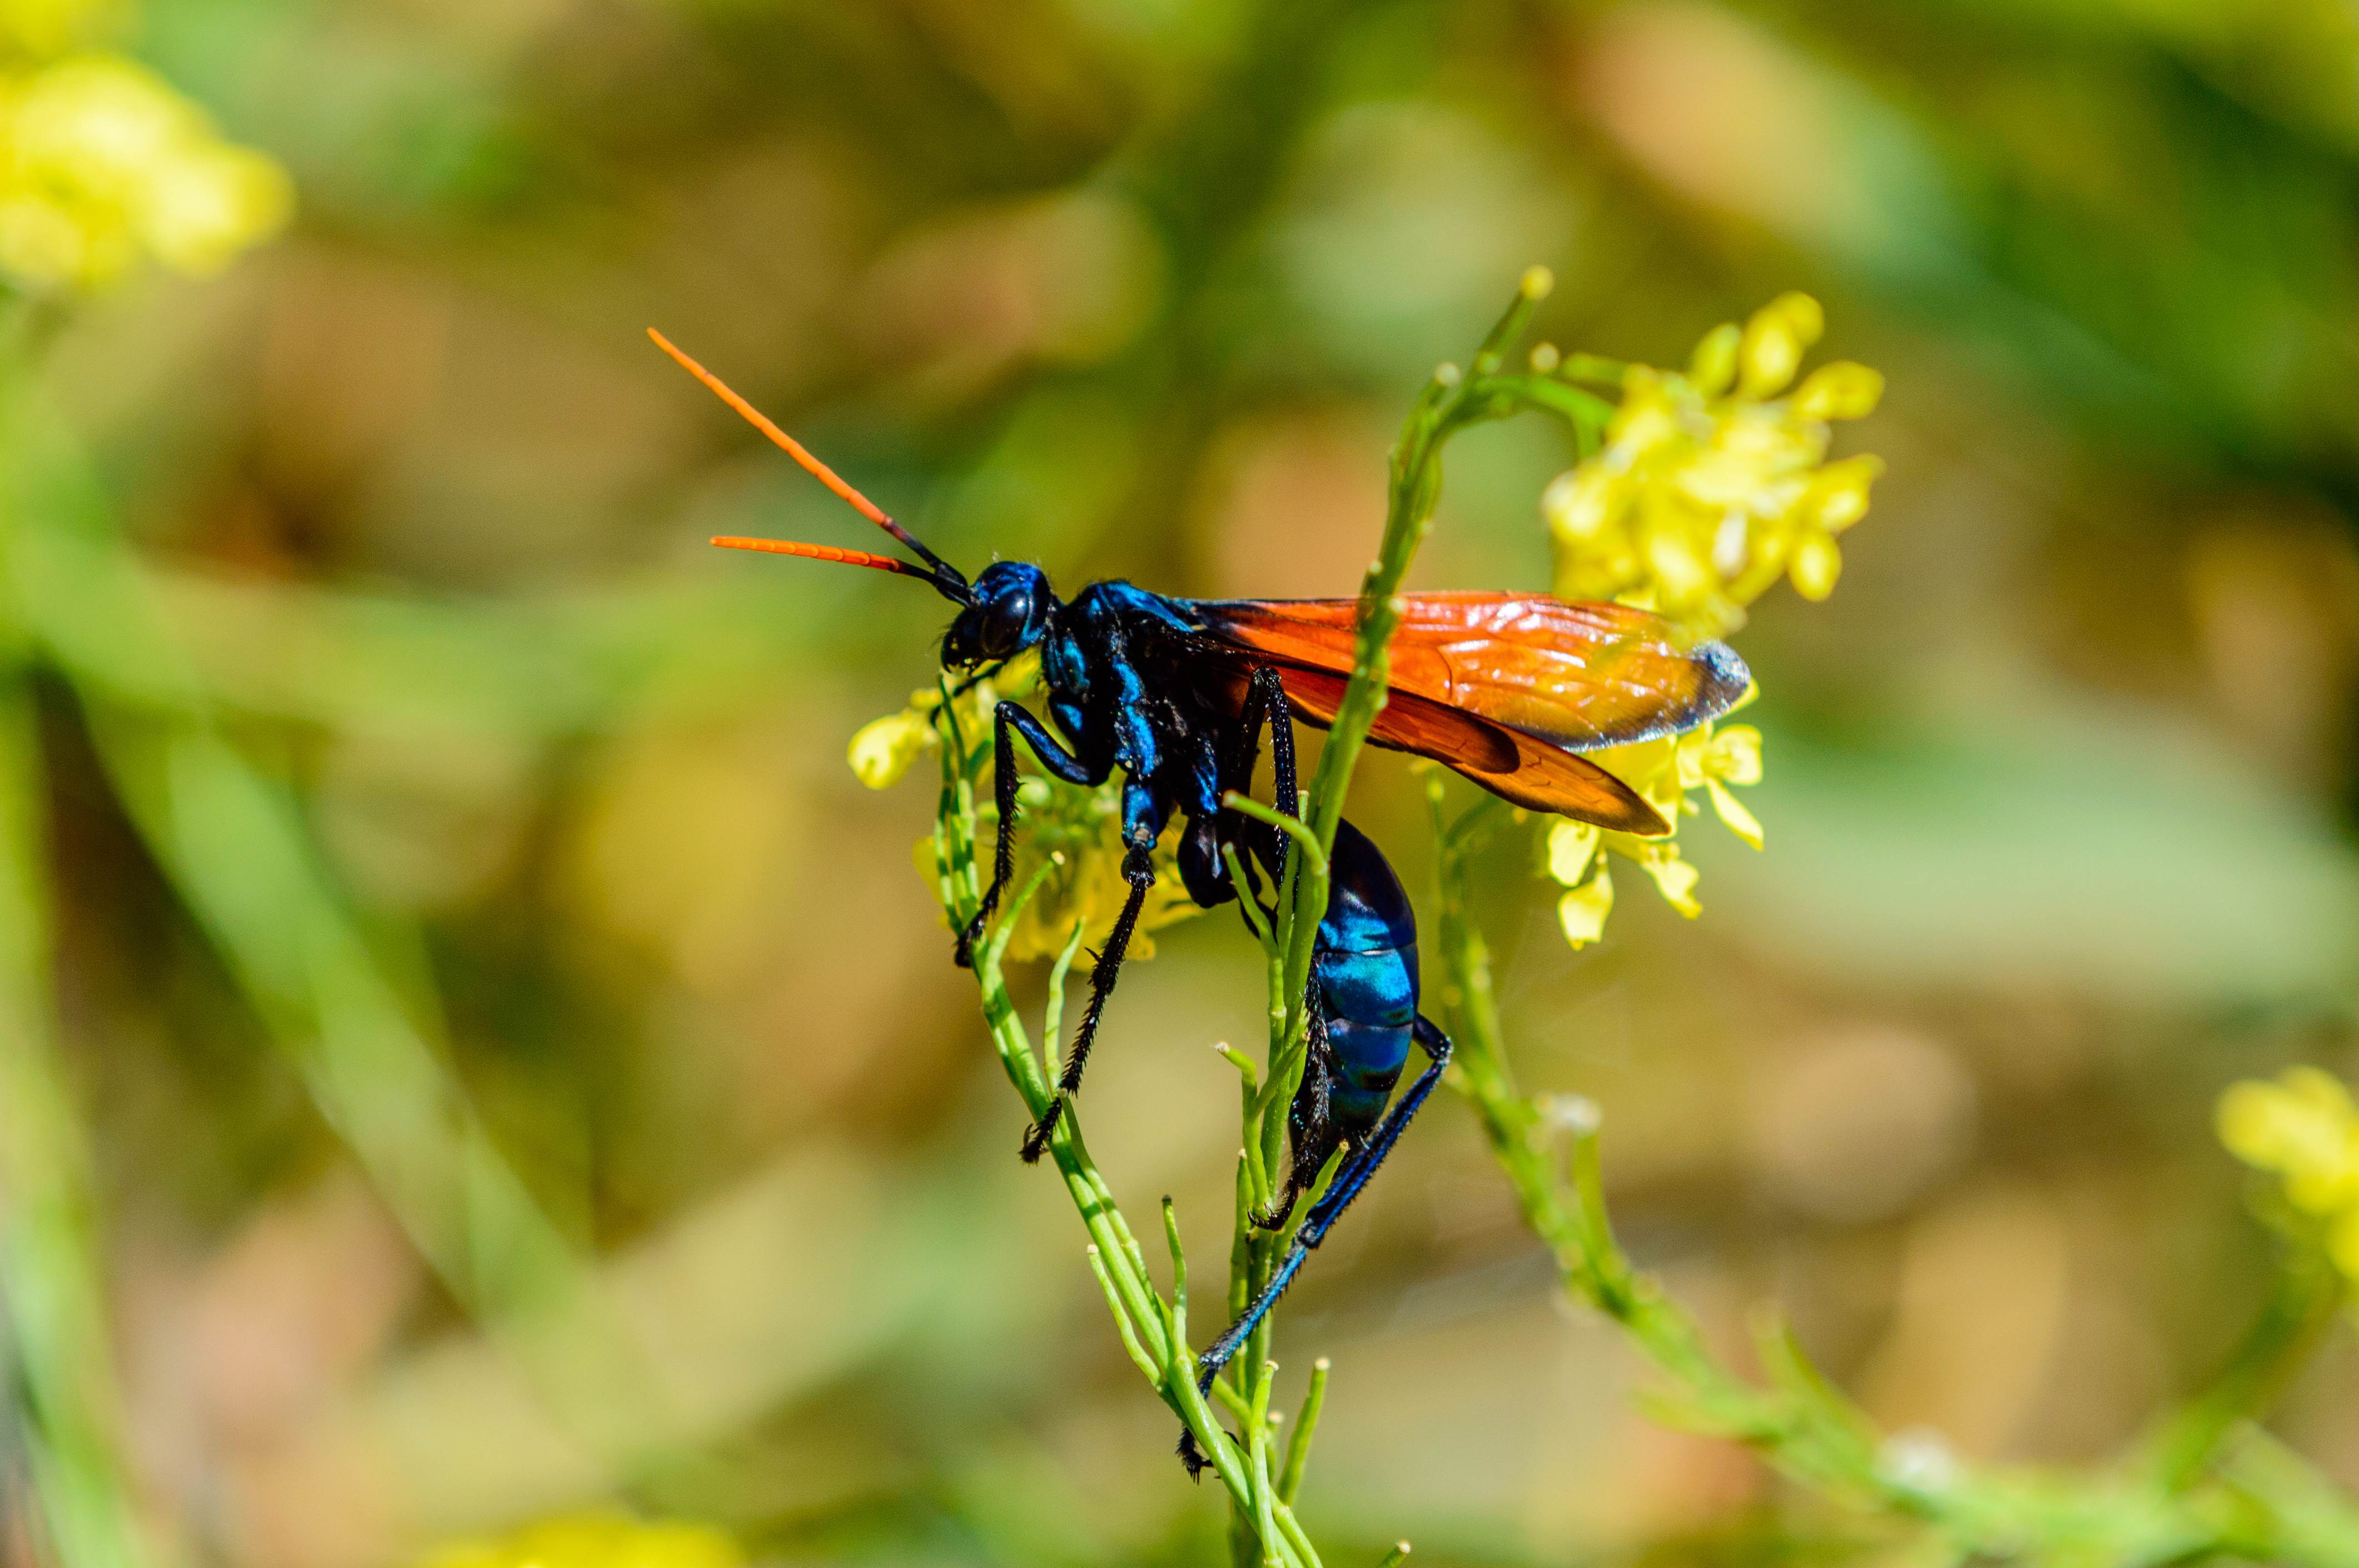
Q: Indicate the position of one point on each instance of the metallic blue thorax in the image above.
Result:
(1133, 687)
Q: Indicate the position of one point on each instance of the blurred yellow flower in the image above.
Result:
(594, 1541)
(43, 29)
(884, 749)
(103, 163)
(1709, 487)
(2304, 1128)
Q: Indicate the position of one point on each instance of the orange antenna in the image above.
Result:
(822, 553)
(943, 574)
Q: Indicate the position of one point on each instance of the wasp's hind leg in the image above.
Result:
(1313, 1134)
(1353, 1176)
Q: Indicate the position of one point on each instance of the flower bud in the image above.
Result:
(1774, 342)
(1817, 563)
(1713, 366)
(1579, 503)
(1843, 390)
(1838, 496)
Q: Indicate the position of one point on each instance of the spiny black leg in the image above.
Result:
(1140, 873)
(1281, 736)
(1002, 865)
(1313, 1137)
(1349, 1180)
(1265, 700)
(1268, 701)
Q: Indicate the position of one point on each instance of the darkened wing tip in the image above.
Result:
(1725, 679)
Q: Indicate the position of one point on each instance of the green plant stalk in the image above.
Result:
(53, 1318)
(2208, 1485)
(1449, 403)
(2305, 1296)
(1297, 1444)
(1153, 1329)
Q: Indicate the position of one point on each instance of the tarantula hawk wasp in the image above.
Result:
(1508, 689)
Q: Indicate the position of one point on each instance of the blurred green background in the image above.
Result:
(520, 1065)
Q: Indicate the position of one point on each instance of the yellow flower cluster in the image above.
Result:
(103, 163)
(1668, 772)
(595, 1540)
(1077, 831)
(2304, 1128)
(1710, 486)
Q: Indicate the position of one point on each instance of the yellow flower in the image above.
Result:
(2303, 1128)
(884, 749)
(1709, 487)
(594, 1541)
(101, 163)
(1583, 910)
(1668, 772)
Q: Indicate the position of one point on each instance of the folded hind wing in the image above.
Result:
(1520, 768)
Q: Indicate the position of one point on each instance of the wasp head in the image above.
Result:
(1010, 612)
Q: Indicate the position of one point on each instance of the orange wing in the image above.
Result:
(1504, 687)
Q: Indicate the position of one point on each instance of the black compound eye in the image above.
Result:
(1003, 623)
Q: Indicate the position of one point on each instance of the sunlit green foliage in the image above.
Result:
(402, 792)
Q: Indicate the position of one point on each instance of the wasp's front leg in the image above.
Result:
(1143, 816)
(1008, 721)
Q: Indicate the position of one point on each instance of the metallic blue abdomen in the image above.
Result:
(1366, 974)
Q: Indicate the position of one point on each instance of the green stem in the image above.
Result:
(2306, 1294)
(1294, 827)
(52, 1299)
(1154, 1331)
(2207, 1487)
(1297, 1444)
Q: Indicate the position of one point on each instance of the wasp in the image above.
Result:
(1172, 694)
